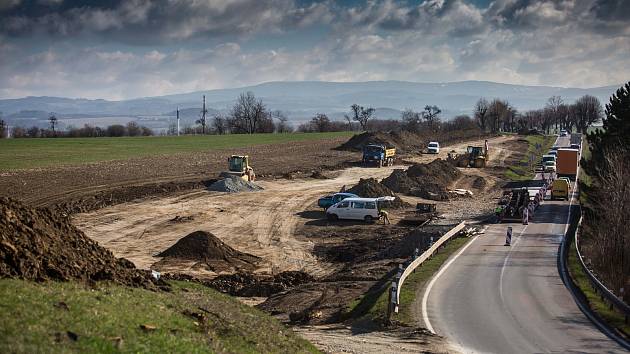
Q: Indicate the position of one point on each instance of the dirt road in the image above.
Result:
(261, 223)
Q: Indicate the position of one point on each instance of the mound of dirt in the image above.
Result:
(41, 245)
(479, 183)
(428, 181)
(358, 141)
(244, 284)
(437, 171)
(233, 184)
(205, 248)
(371, 188)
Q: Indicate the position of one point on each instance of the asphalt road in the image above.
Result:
(498, 299)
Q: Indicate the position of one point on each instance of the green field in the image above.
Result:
(32, 153)
(525, 170)
(65, 317)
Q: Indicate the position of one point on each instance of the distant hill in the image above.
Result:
(300, 100)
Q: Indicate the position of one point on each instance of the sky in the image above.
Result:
(121, 49)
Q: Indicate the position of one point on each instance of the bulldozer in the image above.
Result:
(238, 165)
(475, 157)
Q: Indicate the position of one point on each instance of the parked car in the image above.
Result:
(549, 166)
(433, 147)
(365, 209)
(327, 201)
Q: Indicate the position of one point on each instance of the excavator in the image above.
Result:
(475, 157)
(238, 165)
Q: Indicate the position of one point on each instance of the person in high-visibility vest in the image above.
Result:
(525, 216)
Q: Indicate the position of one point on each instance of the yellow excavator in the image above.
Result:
(238, 165)
(475, 157)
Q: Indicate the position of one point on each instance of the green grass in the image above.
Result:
(108, 319)
(33, 153)
(374, 306)
(524, 170)
(612, 317)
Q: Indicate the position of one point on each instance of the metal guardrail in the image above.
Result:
(605, 293)
(400, 278)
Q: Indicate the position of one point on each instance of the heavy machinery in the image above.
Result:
(380, 155)
(238, 165)
(475, 157)
(423, 213)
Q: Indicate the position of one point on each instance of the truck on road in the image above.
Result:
(379, 155)
(567, 162)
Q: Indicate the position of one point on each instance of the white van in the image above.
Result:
(365, 209)
(433, 147)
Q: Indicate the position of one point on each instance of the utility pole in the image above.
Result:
(177, 120)
(204, 111)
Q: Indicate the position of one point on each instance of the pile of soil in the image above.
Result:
(428, 181)
(372, 188)
(233, 184)
(246, 284)
(209, 251)
(479, 183)
(358, 141)
(41, 244)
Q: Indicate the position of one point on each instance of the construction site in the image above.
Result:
(258, 233)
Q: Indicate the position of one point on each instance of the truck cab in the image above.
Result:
(379, 155)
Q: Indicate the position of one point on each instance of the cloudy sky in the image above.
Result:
(117, 49)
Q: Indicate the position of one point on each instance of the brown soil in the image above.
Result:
(208, 251)
(40, 245)
(428, 181)
(372, 188)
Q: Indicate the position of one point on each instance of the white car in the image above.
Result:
(563, 132)
(549, 166)
(433, 147)
(365, 209)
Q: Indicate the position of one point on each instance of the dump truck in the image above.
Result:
(238, 165)
(567, 163)
(475, 157)
(379, 155)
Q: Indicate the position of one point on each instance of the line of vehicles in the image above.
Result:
(558, 168)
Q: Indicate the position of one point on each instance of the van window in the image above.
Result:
(343, 205)
(370, 205)
(358, 205)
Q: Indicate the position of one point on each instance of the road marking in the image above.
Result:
(507, 258)
(425, 314)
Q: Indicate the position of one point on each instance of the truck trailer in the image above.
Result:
(567, 162)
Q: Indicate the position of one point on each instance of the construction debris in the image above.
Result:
(233, 184)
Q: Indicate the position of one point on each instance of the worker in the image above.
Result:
(525, 216)
(486, 146)
(382, 214)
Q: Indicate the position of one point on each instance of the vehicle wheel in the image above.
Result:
(332, 217)
(368, 219)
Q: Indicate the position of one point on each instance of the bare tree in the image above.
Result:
(321, 122)
(431, 115)
(248, 115)
(411, 120)
(219, 124)
(481, 113)
(361, 114)
(133, 129)
(3, 128)
(587, 110)
(554, 104)
(283, 125)
(53, 123)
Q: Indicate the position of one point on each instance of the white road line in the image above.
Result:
(507, 258)
(425, 314)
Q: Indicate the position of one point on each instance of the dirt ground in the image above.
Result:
(262, 223)
(45, 186)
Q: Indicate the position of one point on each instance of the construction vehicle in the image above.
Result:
(379, 155)
(238, 165)
(516, 197)
(475, 157)
(423, 213)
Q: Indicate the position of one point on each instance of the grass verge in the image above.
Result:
(72, 317)
(524, 170)
(33, 153)
(601, 308)
(373, 306)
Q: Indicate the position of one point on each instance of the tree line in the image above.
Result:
(251, 115)
(605, 234)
